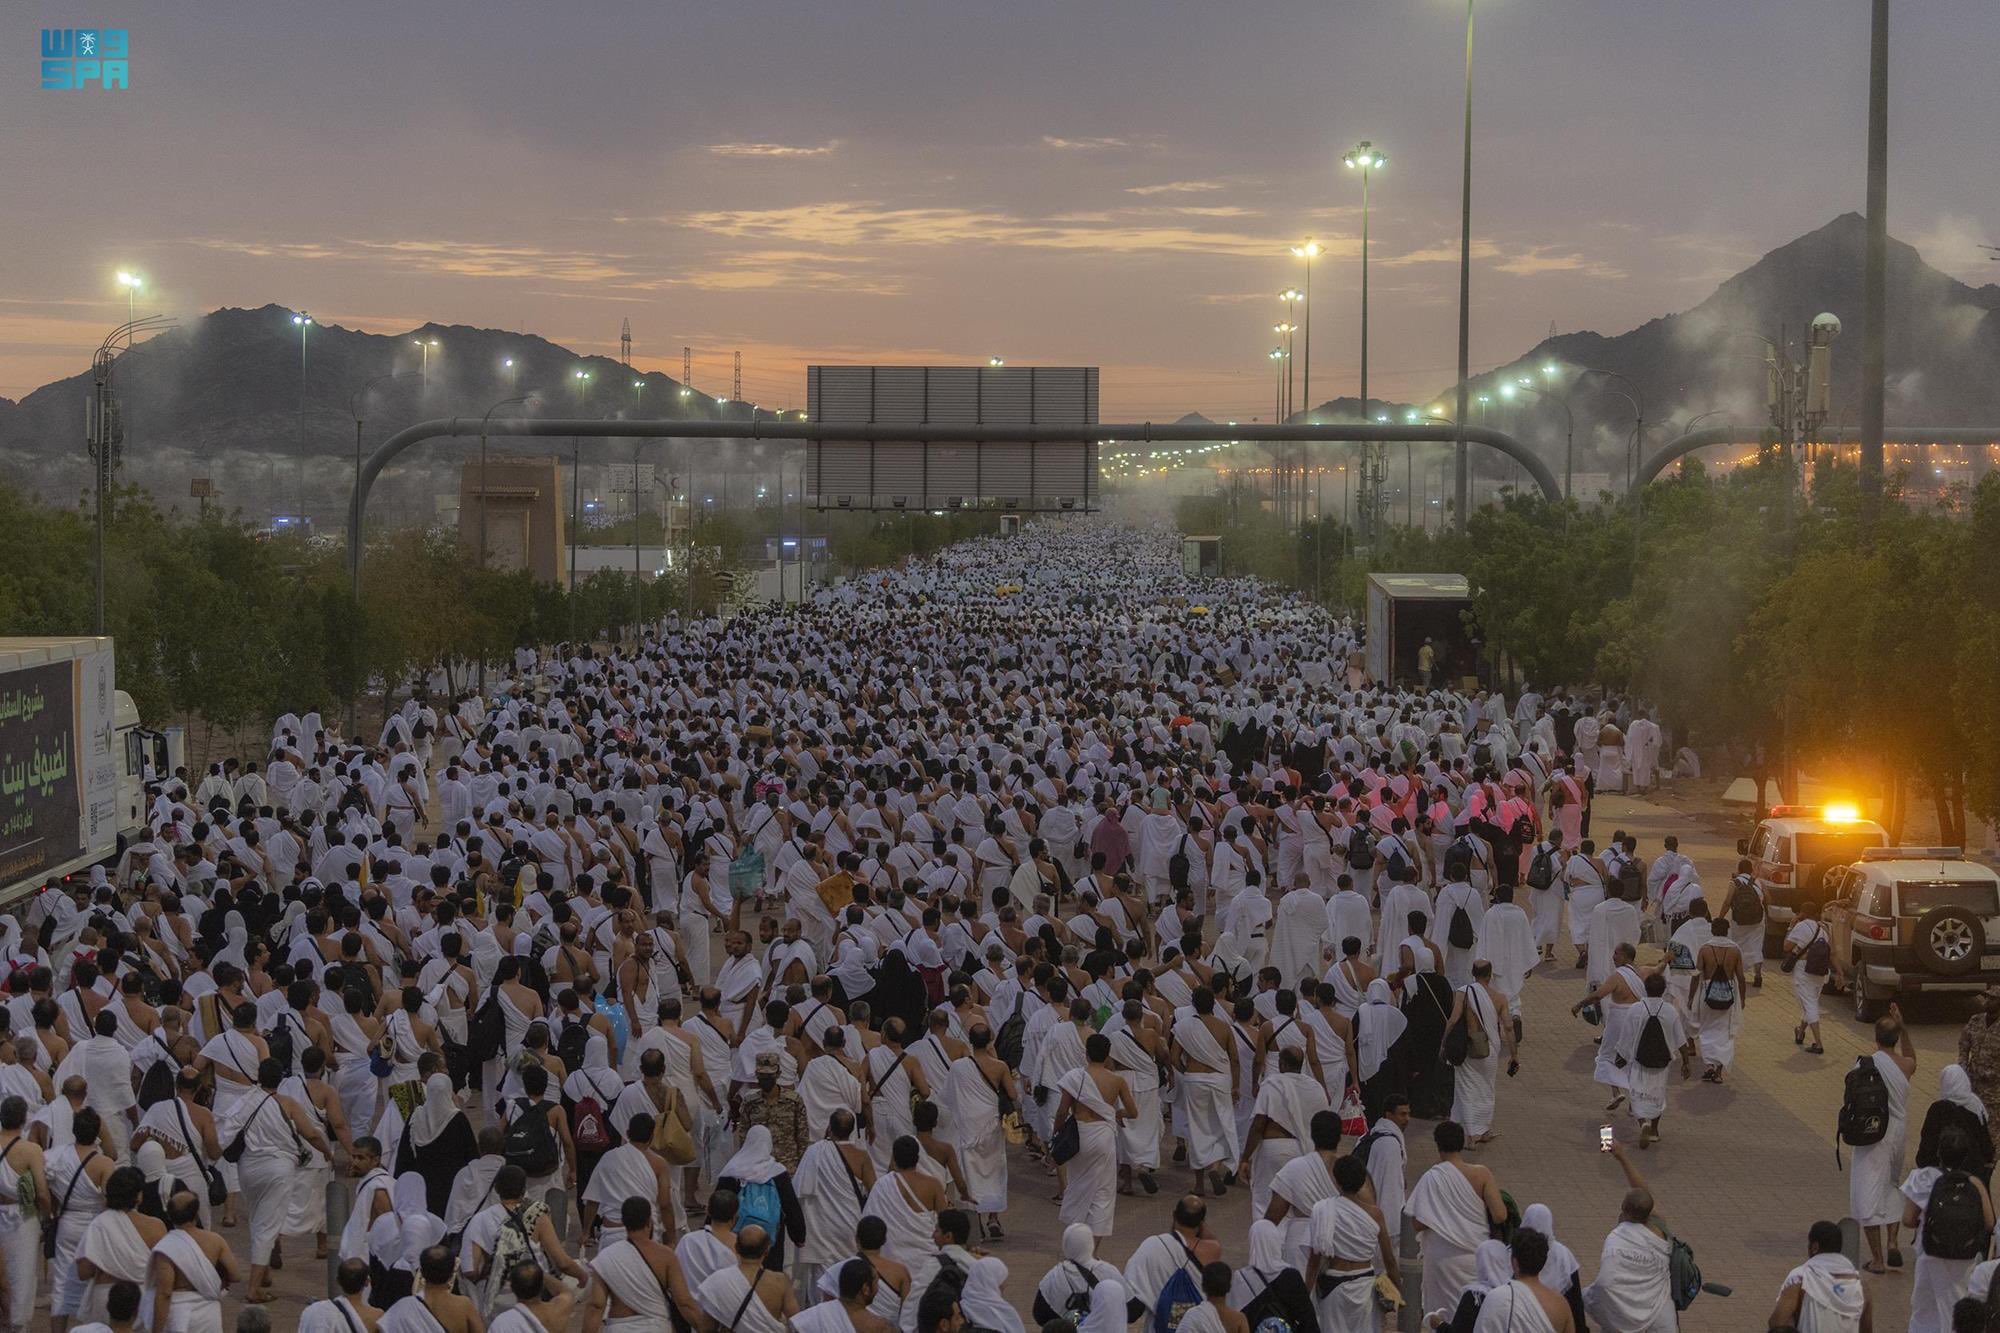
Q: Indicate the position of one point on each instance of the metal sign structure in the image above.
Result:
(921, 471)
(580, 429)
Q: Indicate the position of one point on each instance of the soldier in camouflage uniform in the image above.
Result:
(780, 1110)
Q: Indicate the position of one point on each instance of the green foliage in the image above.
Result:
(1748, 617)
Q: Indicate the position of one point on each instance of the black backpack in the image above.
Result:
(158, 1083)
(1366, 1145)
(573, 1045)
(1460, 934)
(1745, 907)
(1360, 849)
(486, 1030)
(1542, 869)
(279, 1041)
(1011, 1040)
(1954, 1223)
(1653, 1051)
(1864, 1107)
(1631, 884)
(1819, 955)
(1457, 1041)
(1177, 866)
(530, 1144)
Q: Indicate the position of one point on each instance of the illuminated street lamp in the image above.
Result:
(995, 361)
(1364, 158)
(425, 346)
(1308, 252)
(304, 322)
(1278, 393)
(131, 282)
(1525, 384)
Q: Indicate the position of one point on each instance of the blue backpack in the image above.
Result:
(758, 1205)
(1180, 1294)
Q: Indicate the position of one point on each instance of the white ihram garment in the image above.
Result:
(1090, 1181)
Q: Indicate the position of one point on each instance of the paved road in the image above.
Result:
(1743, 1170)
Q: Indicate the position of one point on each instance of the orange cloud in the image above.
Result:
(772, 149)
(844, 223)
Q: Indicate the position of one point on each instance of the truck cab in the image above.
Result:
(140, 748)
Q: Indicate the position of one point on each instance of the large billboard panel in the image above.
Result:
(41, 800)
(919, 473)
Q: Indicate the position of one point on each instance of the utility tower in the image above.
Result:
(736, 381)
(687, 366)
(625, 344)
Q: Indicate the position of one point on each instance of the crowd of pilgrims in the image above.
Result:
(723, 982)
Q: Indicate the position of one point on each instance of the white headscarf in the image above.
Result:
(1377, 1025)
(440, 1106)
(1079, 1243)
(1494, 1264)
(235, 936)
(1561, 1265)
(420, 1227)
(753, 1163)
(981, 1301)
(1955, 1085)
(1107, 1308)
(1265, 1262)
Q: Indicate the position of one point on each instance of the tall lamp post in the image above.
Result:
(354, 403)
(1411, 418)
(131, 282)
(1294, 458)
(1465, 278)
(1524, 384)
(1308, 252)
(1364, 158)
(1632, 398)
(1875, 261)
(1281, 359)
(425, 346)
(580, 381)
(304, 322)
(106, 435)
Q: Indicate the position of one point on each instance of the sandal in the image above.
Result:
(1815, 1049)
(1799, 1035)
(1874, 1268)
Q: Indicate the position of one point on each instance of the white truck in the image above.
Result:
(73, 757)
(1405, 611)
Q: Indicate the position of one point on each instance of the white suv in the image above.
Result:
(1906, 920)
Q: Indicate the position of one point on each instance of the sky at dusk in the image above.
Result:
(1109, 182)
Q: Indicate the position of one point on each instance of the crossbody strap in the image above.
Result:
(82, 1163)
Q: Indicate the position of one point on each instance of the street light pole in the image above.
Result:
(1465, 278)
(579, 378)
(304, 322)
(1525, 385)
(1875, 266)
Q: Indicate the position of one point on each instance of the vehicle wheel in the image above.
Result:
(1949, 941)
(1867, 1006)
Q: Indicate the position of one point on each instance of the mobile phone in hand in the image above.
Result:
(1604, 1138)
